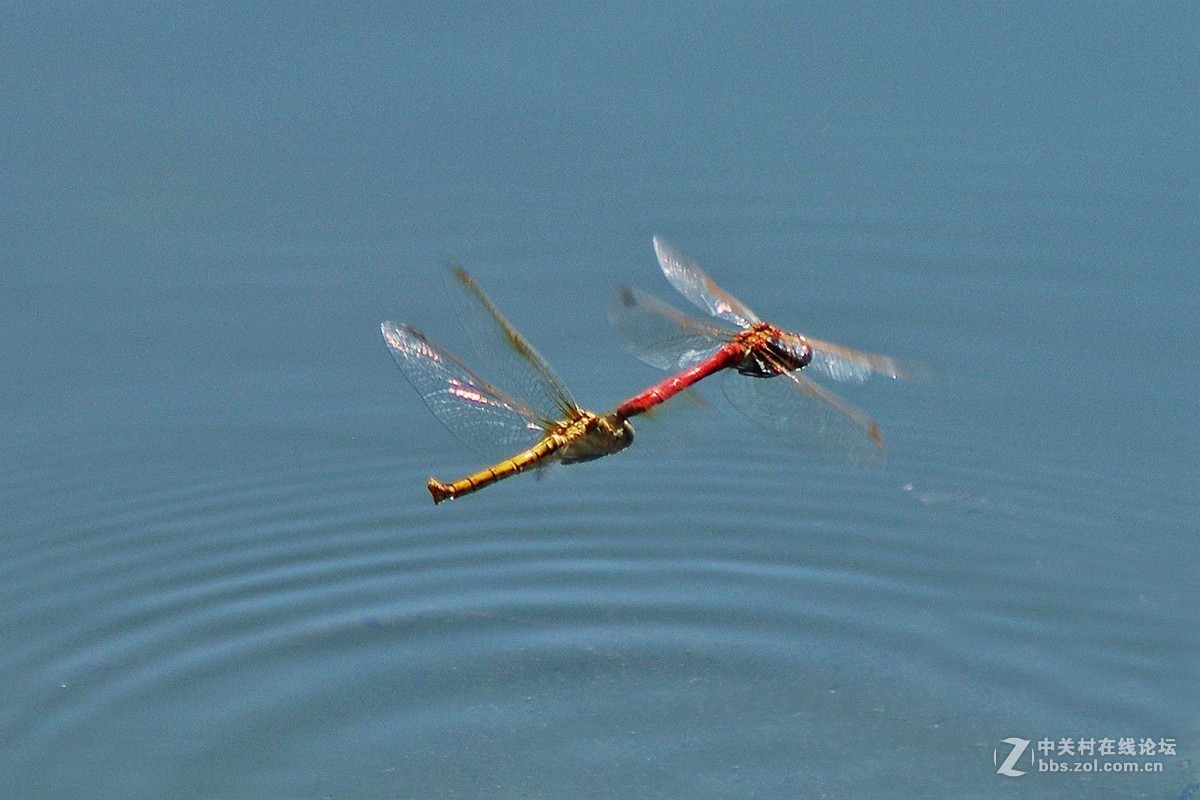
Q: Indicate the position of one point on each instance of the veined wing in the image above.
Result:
(793, 404)
(507, 354)
(693, 283)
(848, 365)
(472, 409)
(660, 334)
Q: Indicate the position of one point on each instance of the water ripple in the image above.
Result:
(702, 582)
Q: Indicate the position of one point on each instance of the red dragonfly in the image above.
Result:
(544, 420)
(784, 399)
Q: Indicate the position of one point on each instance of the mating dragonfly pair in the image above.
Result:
(764, 365)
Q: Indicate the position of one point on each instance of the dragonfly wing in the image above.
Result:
(473, 410)
(660, 334)
(855, 366)
(693, 283)
(513, 360)
(793, 404)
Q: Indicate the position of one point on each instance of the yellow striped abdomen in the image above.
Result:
(583, 438)
(497, 472)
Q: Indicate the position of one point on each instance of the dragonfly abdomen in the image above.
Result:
(727, 356)
(497, 472)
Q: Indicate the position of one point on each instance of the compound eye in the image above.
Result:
(796, 357)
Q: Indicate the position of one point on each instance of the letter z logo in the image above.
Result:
(1018, 750)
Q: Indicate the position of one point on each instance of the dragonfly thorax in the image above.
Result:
(593, 436)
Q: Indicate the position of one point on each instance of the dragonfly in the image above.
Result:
(542, 419)
(782, 397)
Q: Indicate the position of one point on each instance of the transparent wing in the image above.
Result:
(660, 334)
(509, 357)
(793, 404)
(694, 284)
(854, 366)
(473, 410)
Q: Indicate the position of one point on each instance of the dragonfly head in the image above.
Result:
(791, 353)
(772, 354)
(618, 432)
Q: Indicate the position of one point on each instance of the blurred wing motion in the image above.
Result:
(847, 365)
(515, 362)
(472, 409)
(659, 334)
(694, 284)
(792, 404)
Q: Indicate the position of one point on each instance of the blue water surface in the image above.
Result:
(221, 575)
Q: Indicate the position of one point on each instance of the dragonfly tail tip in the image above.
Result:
(440, 491)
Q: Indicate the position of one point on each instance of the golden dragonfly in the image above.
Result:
(541, 418)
